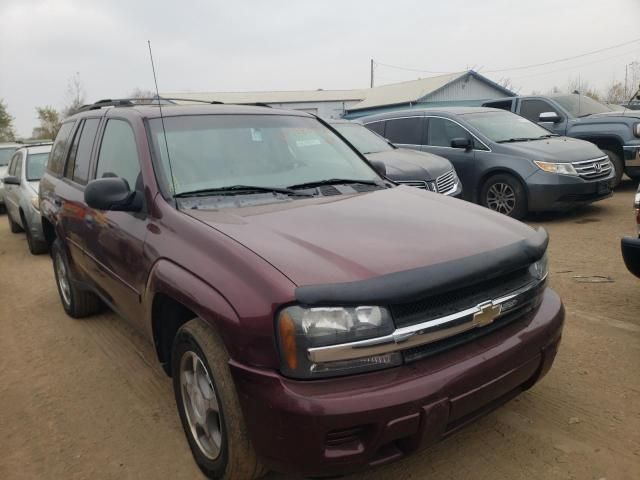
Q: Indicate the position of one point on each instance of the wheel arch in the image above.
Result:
(606, 142)
(497, 171)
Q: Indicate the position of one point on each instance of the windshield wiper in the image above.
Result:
(239, 190)
(332, 181)
(511, 140)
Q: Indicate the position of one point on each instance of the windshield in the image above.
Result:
(36, 162)
(362, 138)
(216, 151)
(5, 156)
(505, 126)
(581, 105)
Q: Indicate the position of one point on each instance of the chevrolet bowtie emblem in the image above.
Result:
(487, 314)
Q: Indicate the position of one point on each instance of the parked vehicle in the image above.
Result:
(315, 317)
(402, 165)
(505, 162)
(631, 245)
(615, 131)
(6, 151)
(21, 194)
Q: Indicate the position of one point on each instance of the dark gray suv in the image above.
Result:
(505, 162)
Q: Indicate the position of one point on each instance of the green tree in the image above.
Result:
(49, 119)
(7, 133)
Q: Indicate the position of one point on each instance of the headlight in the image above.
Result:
(540, 269)
(301, 328)
(561, 168)
(35, 202)
(636, 129)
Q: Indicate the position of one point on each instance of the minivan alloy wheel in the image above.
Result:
(201, 405)
(501, 198)
(62, 276)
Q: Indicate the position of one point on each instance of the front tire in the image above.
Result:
(618, 167)
(13, 226)
(503, 193)
(36, 247)
(208, 405)
(76, 302)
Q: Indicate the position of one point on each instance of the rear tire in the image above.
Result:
(36, 247)
(206, 397)
(503, 193)
(76, 302)
(618, 167)
(13, 226)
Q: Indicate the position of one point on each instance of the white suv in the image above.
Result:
(6, 151)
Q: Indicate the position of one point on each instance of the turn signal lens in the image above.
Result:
(288, 341)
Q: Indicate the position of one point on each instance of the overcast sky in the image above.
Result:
(290, 45)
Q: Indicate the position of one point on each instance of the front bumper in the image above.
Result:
(551, 192)
(335, 426)
(631, 254)
(34, 223)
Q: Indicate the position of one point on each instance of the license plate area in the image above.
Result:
(603, 188)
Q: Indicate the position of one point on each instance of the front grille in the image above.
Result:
(592, 169)
(446, 182)
(437, 306)
(430, 186)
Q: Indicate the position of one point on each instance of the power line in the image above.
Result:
(522, 67)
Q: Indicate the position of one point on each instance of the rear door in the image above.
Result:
(440, 132)
(406, 132)
(115, 240)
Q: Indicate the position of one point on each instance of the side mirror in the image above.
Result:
(549, 117)
(379, 167)
(461, 142)
(11, 180)
(112, 193)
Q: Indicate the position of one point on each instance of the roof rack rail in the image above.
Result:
(34, 143)
(132, 102)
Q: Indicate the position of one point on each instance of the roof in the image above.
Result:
(430, 110)
(293, 96)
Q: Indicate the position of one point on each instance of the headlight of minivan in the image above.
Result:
(561, 168)
(540, 269)
(35, 202)
(299, 329)
(636, 129)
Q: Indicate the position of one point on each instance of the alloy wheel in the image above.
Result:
(201, 405)
(501, 198)
(62, 277)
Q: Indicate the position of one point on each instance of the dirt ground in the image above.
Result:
(86, 399)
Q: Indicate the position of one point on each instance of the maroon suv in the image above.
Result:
(315, 317)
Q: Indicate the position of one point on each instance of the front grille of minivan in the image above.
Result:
(593, 169)
(446, 182)
(431, 186)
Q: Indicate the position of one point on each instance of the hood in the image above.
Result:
(34, 185)
(357, 237)
(555, 149)
(406, 164)
(629, 115)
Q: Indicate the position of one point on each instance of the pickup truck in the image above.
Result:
(615, 132)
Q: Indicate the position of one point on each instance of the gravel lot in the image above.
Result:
(86, 399)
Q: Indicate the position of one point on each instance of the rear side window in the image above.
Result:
(442, 131)
(407, 131)
(80, 155)
(56, 158)
(118, 153)
(531, 109)
(377, 127)
(501, 104)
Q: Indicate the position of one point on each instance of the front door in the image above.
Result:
(115, 240)
(533, 107)
(12, 192)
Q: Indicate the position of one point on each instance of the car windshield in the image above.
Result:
(272, 151)
(36, 163)
(5, 156)
(581, 105)
(362, 138)
(505, 126)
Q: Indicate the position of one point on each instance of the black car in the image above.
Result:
(631, 245)
(410, 167)
(505, 162)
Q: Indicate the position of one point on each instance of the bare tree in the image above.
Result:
(507, 83)
(615, 93)
(75, 96)
(141, 93)
(49, 119)
(7, 134)
(577, 85)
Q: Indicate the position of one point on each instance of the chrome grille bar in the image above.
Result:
(446, 182)
(595, 168)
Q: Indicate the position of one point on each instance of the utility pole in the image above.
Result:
(372, 73)
(626, 75)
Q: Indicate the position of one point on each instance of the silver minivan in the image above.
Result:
(21, 193)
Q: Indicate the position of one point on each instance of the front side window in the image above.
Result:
(5, 156)
(405, 131)
(118, 155)
(505, 126)
(216, 151)
(443, 131)
(531, 109)
(360, 137)
(36, 163)
(57, 157)
(12, 164)
(18, 168)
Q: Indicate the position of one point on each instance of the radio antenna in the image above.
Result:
(164, 131)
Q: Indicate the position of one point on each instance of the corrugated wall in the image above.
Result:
(465, 88)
